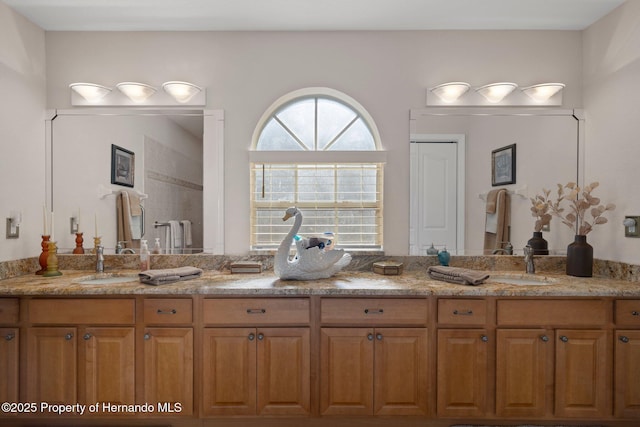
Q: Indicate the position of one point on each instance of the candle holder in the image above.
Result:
(78, 250)
(42, 260)
(52, 261)
(96, 243)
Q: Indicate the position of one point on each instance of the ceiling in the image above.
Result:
(311, 15)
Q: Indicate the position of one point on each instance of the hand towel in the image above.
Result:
(492, 199)
(461, 276)
(497, 224)
(169, 275)
(186, 233)
(174, 243)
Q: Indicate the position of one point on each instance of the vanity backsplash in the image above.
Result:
(546, 264)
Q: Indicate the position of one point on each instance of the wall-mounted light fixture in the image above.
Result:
(137, 92)
(181, 91)
(631, 226)
(450, 92)
(496, 92)
(174, 93)
(90, 91)
(502, 94)
(543, 92)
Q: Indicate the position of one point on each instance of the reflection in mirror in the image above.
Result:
(166, 171)
(548, 142)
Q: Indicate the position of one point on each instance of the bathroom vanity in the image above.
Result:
(230, 350)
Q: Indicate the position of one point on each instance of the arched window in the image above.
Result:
(319, 150)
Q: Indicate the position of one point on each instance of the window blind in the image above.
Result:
(345, 199)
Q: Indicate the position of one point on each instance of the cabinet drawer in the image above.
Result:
(167, 311)
(554, 312)
(82, 311)
(9, 310)
(373, 311)
(462, 311)
(628, 312)
(256, 311)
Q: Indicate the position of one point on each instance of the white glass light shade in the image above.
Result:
(495, 92)
(544, 91)
(181, 91)
(90, 91)
(450, 92)
(137, 92)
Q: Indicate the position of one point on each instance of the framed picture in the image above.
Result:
(503, 165)
(122, 166)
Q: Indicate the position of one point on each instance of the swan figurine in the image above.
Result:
(310, 262)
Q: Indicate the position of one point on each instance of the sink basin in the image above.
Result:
(521, 279)
(107, 279)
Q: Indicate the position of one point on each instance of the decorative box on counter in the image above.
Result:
(246, 267)
(388, 268)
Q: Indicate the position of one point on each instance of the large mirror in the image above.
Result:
(451, 173)
(158, 160)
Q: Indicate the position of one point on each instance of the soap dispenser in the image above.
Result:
(444, 257)
(156, 247)
(145, 261)
(432, 250)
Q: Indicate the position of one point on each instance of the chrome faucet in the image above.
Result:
(507, 250)
(100, 259)
(120, 249)
(528, 259)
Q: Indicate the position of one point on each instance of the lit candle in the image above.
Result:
(44, 219)
(52, 238)
(96, 225)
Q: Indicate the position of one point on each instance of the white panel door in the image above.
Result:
(433, 196)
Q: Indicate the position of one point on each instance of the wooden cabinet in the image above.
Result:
(581, 359)
(462, 378)
(9, 350)
(167, 355)
(379, 370)
(86, 364)
(524, 372)
(258, 360)
(168, 369)
(627, 359)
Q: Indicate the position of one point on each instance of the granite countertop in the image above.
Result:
(413, 283)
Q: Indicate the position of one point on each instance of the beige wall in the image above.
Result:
(22, 108)
(611, 93)
(244, 73)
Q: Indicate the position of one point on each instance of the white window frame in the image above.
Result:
(377, 156)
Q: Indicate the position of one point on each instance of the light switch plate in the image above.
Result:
(12, 232)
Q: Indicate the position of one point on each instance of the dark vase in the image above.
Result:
(539, 245)
(580, 257)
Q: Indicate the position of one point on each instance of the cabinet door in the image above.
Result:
(283, 381)
(346, 371)
(107, 360)
(168, 369)
(524, 367)
(229, 371)
(627, 374)
(401, 367)
(583, 373)
(462, 372)
(9, 347)
(52, 365)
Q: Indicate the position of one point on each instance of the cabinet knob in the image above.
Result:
(251, 336)
(10, 336)
(86, 336)
(379, 337)
(623, 339)
(370, 337)
(544, 338)
(147, 336)
(69, 336)
(564, 339)
(484, 338)
(260, 337)
(635, 313)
